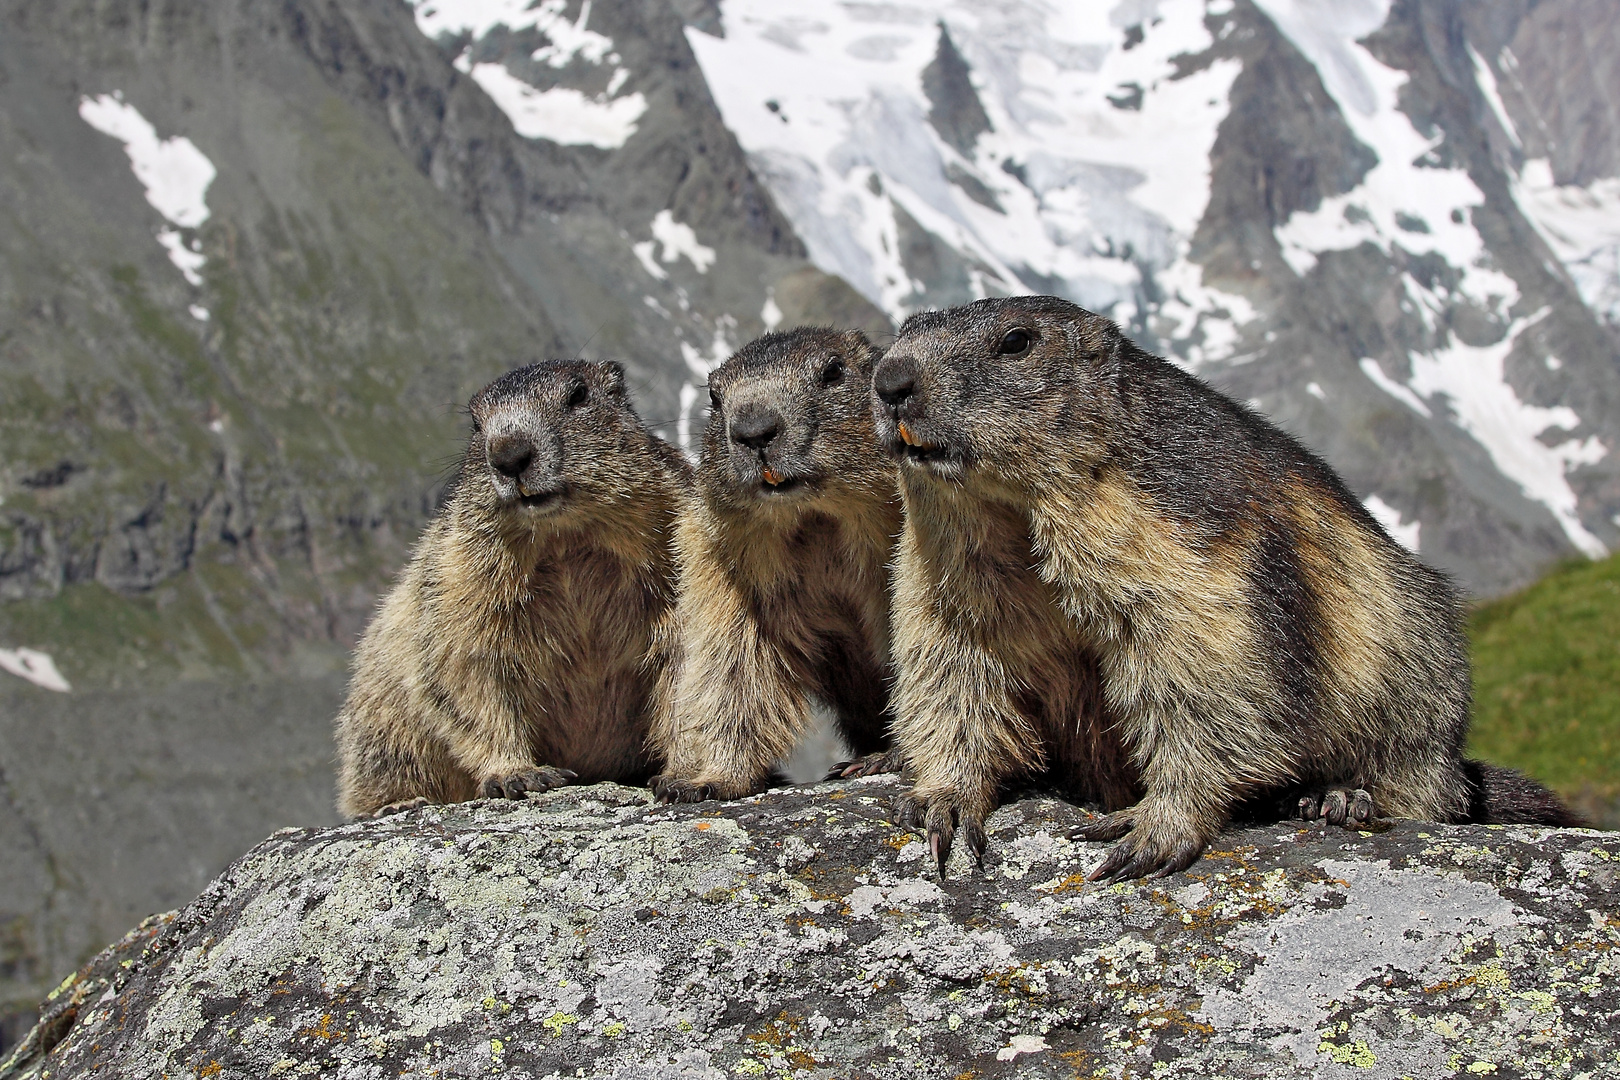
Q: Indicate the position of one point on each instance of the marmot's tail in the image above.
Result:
(1501, 796)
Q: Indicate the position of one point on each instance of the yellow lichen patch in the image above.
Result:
(1490, 976)
(213, 1068)
(1540, 1001)
(557, 1021)
(780, 1036)
(899, 840)
(1176, 1018)
(1026, 979)
(324, 1030)
(614, 1029)
(1357, 1054)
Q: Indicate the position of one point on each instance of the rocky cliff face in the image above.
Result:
(800, 934)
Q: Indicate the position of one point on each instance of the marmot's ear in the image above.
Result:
(612, 376)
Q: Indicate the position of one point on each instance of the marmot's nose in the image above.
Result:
(755, 426)
(510, 455)
(895, 380)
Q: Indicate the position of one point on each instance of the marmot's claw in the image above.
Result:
(1338, 806)
(940, 821)
(519, 784)
(400, 807)
(1109, 826)
(941, 832)
(909, 812)
(887, 761)
(1136, 856)
(973, 835)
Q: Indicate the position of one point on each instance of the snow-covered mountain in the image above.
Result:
(1371, 233)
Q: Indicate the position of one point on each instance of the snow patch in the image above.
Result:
(1390, 518)
(35, 666)
(1493, 97)
(1425, 209)
(1396, 390)
(1090, 184)
(700, 364)
(1315, 390)
(1485, 406)
(188, 260)
(678, 239)
(1582, 226)
(770, 314)
(1420, 208)
(560, 114)
(198, 312)
(175, 174)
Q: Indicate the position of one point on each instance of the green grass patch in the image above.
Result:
(1547, 684)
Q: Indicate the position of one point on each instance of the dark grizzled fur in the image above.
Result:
(784, 554)
(1499, 796)
(1257, 633)
(521, 646)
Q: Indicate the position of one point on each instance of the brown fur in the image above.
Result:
(784, 584)
(516, 651)
(1256, 634)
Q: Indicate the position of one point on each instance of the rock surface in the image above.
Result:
(801, 933)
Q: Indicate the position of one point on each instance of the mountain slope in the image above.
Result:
(1322, 207)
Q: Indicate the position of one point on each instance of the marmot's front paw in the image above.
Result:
(889, 761)
(939, 817)
(670, 789)
(517, 785)
(1340, 806)
(1143, 850)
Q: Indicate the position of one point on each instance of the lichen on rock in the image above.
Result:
(801, 933)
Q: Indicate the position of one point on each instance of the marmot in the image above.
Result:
(784, 554)
(1071, 500)
(516, 653)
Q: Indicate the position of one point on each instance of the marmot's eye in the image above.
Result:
(578, 396)
(832, 373)
(714, 399)
(1015, 342)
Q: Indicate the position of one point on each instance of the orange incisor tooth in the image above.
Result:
(772, 477)
(906, 436)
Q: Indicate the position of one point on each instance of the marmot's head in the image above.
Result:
(995, 385)
(556, 442)
(789, 421)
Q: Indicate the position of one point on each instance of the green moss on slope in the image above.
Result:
(1547, 684)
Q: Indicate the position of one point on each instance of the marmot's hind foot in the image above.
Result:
(1338, 806)
(400, 807)
(519, 784)
(888, 761)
